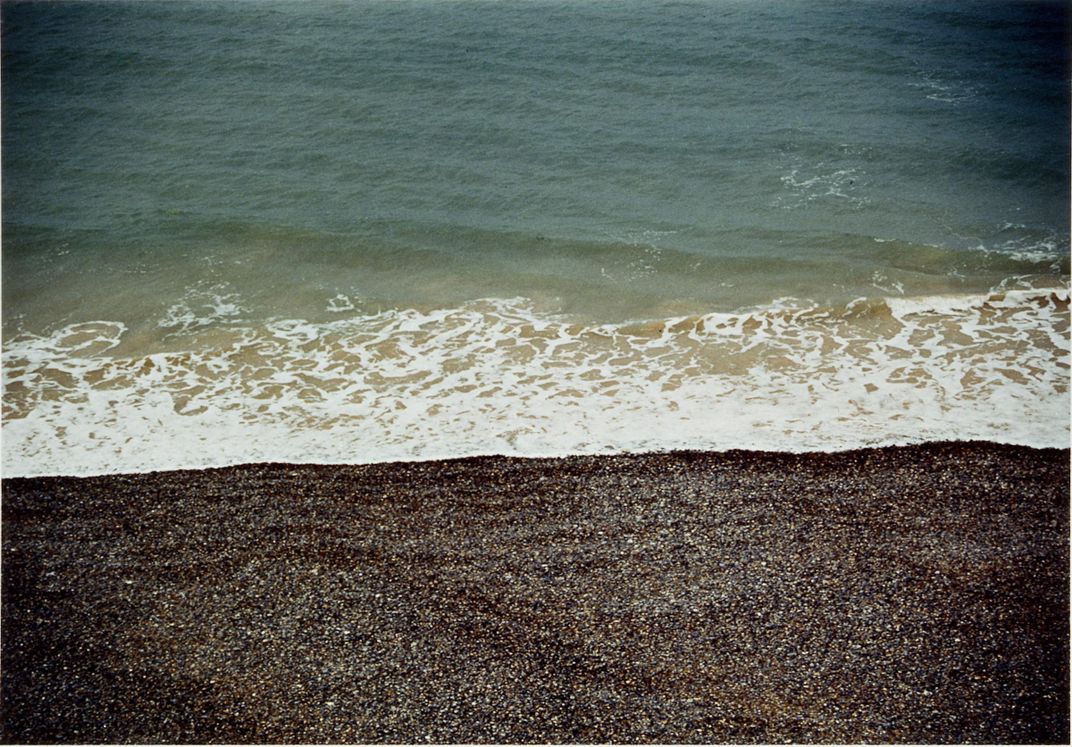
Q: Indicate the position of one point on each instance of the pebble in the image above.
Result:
(913, 594)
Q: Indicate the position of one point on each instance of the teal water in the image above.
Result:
(188, 176)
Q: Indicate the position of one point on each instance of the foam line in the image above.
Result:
(497, 377)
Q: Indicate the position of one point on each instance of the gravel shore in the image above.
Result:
(914, 594)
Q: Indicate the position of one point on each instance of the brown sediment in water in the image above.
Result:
(914, 594)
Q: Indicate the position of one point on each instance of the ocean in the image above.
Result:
(359, 232)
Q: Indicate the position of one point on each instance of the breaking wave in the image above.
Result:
(496, 376)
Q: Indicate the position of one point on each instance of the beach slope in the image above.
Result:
(912, 594)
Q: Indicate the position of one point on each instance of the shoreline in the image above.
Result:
(536, 459)
(894, 594)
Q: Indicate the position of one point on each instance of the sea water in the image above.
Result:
(356, 232)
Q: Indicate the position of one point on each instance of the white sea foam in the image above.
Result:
(944, 89)
(497, 377)
(340, 303)
(882, 282)
(202, 306)
(1047, 251)
(821, 182)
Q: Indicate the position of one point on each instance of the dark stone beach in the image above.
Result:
(914, 594)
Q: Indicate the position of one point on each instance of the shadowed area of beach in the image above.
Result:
(915, 594)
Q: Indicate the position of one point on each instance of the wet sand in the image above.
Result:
(916, 594)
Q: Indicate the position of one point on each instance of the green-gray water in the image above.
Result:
(349, 232)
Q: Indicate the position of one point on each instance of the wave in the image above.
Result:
(498, 376)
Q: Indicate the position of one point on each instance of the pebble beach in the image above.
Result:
(903, 594)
